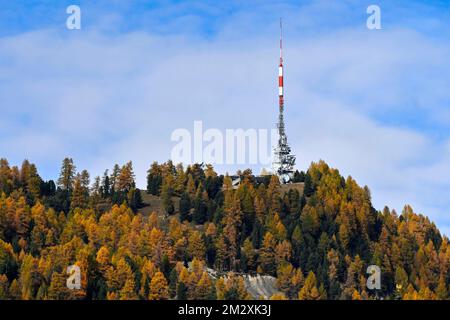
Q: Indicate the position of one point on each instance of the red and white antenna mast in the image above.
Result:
(280, 67)
(283, 162)
(281, 42)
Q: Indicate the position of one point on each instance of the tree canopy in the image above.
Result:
(317, 238)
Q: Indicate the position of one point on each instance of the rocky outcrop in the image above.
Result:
(260, 286)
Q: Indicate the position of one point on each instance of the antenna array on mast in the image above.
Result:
(284, 161)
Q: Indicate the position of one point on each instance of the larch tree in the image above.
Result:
(159, 289)
(309, 290)
(205, 288)
(125, 180)
(232, 221)
(4, 287)
(248, 254)
(58, 288)
(80, 193)
(196, 247)
(267, 259)
(231, 288)
(128, 291)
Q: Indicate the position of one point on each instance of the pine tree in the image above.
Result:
(134, 199)
(173, 282)
(114, 178)
(154, 179)
(67, 175)
(33, 182)
(181, 291)
(308, 186)
(106, 185)
(185, 207)
(200, 209)
(167, 191)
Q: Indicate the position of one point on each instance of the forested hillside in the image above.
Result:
(316, 240)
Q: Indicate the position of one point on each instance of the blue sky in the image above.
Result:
(373, 103)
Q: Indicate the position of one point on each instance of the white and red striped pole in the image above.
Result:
(280, 69)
